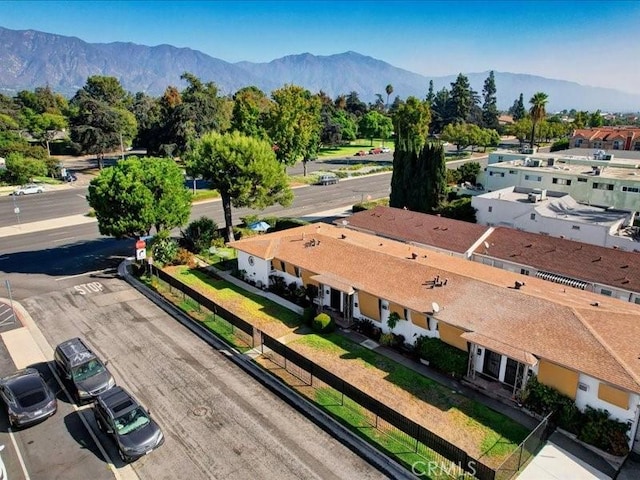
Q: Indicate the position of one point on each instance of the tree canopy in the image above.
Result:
(411, 122)
(139, 194)
(243, 169)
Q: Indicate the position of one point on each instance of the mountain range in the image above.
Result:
(31, 59)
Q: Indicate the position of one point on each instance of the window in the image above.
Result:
(575, 227)
(631, 189)
(597, 144)
(605, 292)
(533, 178)
(500, 158)
(524, 271)
(636, 146)
(297, 271)
(497, 174)
(561, 181)
(637, 300)
(490, 209)
(583, 180)
(512, 172)
(578, 142)
(617, 145)
(602, 186)
(532, 216)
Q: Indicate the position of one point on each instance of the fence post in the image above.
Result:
(520, 456)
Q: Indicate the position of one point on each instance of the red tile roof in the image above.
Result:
(577, 329)
(419, 228)
(582, 261)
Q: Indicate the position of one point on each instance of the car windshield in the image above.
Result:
(132, 420)
(86, 370)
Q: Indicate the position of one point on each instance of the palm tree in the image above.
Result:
(537, 111)
(389, 90)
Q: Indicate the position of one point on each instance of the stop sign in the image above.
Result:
(140, 244)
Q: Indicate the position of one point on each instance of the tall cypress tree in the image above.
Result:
(489, 107)
(517, 110)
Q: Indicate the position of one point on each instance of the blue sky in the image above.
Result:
(590, 42)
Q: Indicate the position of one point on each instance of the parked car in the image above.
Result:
(79, 366)
(375, 151)
(327, 179)
(27, 397)
(70, 177)
(119, 415)
(386, 149)
(361, 153)
(28, 189)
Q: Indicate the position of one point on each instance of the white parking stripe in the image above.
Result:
(82, 274)
(20, 459)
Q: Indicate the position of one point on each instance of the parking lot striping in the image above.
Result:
(20, 459)
(82, 274)
(80, 413)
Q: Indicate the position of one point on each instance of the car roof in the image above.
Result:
(118, 401)
(24, 381)
(76, 351)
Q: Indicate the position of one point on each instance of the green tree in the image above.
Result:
(388, 90)
(107, 90)
(462, 135)
(439, 107)
(348, 126)
(461, 99)
(431, 96)
(138, 194)
(22, 170)
(469, 172)
(200, 234)
(250, 109)
(520, 129)
(537, 111)
(595, 119)
(43, 126)
(294, 124)
(354, 105)
(489, 107)
(419, 179)
(368, 125)
(580, 119)
(411, 122)
(518, 111)
(244, 170)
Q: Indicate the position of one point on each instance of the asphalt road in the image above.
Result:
(218, 422)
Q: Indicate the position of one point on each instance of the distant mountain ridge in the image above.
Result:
(31, 59)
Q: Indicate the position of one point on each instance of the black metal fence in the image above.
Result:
(527, 449)
(455, 462)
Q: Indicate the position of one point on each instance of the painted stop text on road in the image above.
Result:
(88, 288)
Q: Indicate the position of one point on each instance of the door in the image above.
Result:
(510, 372)
(491, 365)
(335, 299)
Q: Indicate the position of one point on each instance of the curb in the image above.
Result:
(375, 457)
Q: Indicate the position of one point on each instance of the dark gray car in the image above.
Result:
(120, 415)
(88, 375)
(27, 397)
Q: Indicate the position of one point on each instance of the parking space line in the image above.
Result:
(82, 274)
(103, 452)
(20, 459)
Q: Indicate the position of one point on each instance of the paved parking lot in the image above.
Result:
(218, 422)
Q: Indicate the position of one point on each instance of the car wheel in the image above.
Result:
(19, 193)
(39, 191)
(122, 457)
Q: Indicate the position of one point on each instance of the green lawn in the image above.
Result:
(353, 147)
(497, 434)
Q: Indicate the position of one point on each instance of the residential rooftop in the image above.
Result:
(573, 328)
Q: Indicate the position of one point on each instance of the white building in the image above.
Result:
(603, 181)
(557, 214)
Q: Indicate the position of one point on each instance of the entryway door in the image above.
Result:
(336, 295)
(511, 372)
(491, 365)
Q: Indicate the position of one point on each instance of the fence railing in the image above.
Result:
(456, 462)
(527, 449)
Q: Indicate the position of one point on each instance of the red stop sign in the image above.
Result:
(141, 244)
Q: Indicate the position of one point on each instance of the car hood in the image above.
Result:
(95, 382)
(142, 439)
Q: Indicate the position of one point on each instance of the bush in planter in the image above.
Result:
(323, 323)
(364, 326)
(442, 356)
(601, 431)
(387, 339)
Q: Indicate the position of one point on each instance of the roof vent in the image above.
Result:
(518, 285)
(343, 236)
(595, 304)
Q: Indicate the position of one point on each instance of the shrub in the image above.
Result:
(164, 249)
(593, 426)
(562, 144)
(199, 235)
(442, 356)
(286, 223)
(387, 339)
(184, 257)
(323, 323)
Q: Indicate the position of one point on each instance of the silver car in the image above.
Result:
(28, 189)
(27, 397)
